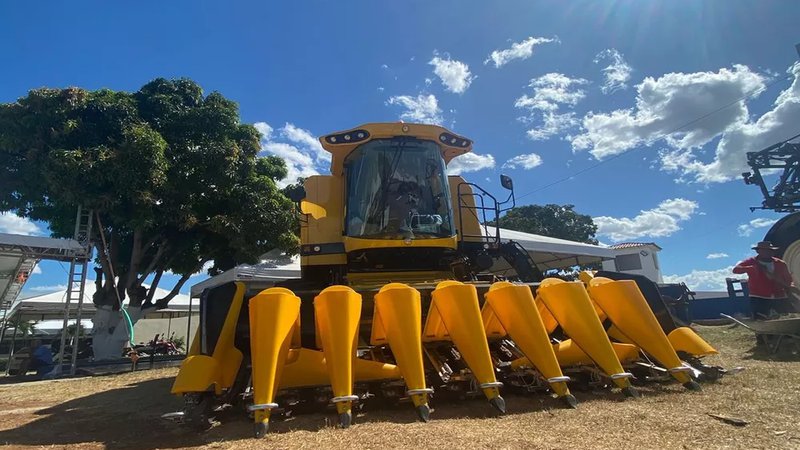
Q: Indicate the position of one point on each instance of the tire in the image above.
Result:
(198, 411)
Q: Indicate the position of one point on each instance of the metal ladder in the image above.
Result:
(76, 284)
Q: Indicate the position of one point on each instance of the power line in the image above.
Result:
(661, 136)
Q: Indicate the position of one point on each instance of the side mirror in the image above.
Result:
(507, 182)
(298, 194)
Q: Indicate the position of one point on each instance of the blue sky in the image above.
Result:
(548, 87)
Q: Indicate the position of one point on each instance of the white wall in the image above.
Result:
(146, 329)
(649, 263)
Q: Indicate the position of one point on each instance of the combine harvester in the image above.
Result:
(396, 302)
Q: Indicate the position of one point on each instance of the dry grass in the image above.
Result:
(123, 412)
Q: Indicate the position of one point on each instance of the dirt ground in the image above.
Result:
(123, 411)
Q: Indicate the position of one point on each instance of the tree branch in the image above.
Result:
(136, 258)
(154, 262)
(162, 302)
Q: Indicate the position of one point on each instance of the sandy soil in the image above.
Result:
(122, 411)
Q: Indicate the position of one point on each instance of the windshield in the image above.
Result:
(397, 189)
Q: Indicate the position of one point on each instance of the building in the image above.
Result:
(640, 258)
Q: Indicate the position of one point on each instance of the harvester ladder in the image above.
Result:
(76, 286)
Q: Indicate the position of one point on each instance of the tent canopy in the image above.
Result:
(51, 306)
(274, 269)
(553, 253)
(548, 253)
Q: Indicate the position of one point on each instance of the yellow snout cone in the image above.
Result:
(274, 318)
(337, 311)
(573, 309)
(455, 315)
(515, 308)
(397, 320)
(624, 304)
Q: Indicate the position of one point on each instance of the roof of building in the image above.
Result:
(624, 245)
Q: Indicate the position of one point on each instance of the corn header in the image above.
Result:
(397, 302)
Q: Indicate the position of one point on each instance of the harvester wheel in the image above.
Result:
(631, 392)
(345, 419)
(692, 386)
(424, 412)
(261, 429)
(499, 404)
(570, 401)
(197, 411)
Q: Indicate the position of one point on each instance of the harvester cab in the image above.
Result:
(389, 202)
(396, 300)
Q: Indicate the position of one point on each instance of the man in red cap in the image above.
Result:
(770, 282)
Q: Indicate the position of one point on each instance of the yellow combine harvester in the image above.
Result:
(396, 301)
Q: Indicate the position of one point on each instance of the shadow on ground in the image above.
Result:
(130, 417)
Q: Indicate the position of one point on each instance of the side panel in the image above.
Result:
(324, 209)
(468, 224)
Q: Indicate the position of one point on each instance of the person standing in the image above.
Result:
(770, 282)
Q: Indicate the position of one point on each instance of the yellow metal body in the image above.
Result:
(684, 339)
(397, 321)
(573, 309)
(324, 204)
(308, 368)
(337, 311)
(511, 310)
(455, 315)
(569, 355)
(217, 372)
(274, 321)
(627, 308)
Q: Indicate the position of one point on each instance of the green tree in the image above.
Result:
(174, 177)
(22, 327)
(558, 221)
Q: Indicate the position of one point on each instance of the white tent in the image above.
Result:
(51, 306)
(273, 269)
(548, 253)
(553, 253)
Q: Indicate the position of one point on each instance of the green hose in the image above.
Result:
(128, 322)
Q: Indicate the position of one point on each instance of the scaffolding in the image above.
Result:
(18, 258)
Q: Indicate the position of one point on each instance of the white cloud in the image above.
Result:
(528, 161)
(776, 125)
(384, 66)
(13, 224)
(455, 75)
(469, 162)
(616, 73)
(716, 255)
(49, 288)
(422, 108)
(306, 140)
(265, 129)
(302, 159)
(518, 50)
(660, 221)
(703, 280)
(552, 124)
(550, 92)
(37, 270)
(746, 229)
(665, 104)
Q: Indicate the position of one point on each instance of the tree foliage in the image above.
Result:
(173, 176)
(558, 221)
